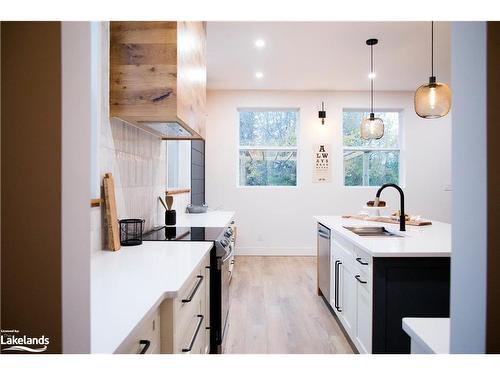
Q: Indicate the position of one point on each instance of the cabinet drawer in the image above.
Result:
(182, 326)
(340, 242)
(148, 330)
(343, 251)
(363, 259)
(192, 340)
(189, 304)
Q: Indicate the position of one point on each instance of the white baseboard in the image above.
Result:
(275, 251)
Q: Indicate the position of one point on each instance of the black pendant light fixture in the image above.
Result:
(433, 100)
(372, 127)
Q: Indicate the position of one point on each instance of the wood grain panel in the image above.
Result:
(141, 77)
(158, 73)
(144, 32)
(192, 75)
(139, 54)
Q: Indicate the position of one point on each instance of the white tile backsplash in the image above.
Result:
(137, 161)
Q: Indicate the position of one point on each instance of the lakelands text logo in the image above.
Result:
(12, 341)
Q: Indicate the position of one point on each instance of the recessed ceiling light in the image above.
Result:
(260, 43)
(372, 75)
(259, 75)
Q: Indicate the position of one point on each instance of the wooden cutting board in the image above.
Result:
(112, 229)
(390, 220)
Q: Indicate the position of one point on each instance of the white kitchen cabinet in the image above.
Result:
(347, 303)
(184, 319)
(351, 296)
(363, 319)
(145, 338)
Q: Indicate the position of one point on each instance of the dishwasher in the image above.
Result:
(324, 261)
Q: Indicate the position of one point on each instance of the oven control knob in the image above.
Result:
(224, 242)
(229, 232)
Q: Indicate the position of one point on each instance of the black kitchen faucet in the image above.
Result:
(402, 224)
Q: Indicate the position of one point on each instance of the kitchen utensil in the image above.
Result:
(170, 217)
(162, 203)
(113, 240)
(170, 201)
(131, 232)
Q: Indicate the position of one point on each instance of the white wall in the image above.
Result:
(469, 257)
(76, 140)
(279, 221)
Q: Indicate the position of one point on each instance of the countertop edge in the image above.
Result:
(342, 232)
(414, 335)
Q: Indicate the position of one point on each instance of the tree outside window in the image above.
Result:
(371, 162)
(268, 147)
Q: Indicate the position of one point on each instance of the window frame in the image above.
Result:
(400, 148)
(270, 148)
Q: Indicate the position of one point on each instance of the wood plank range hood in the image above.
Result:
(158, 77)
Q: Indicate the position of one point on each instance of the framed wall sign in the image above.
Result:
(321, 163)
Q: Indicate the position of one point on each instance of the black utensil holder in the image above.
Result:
(170, 217)
(131, 232)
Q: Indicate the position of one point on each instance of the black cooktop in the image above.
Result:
(167, 233)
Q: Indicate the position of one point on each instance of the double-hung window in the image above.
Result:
(371, 162)
(268, 147)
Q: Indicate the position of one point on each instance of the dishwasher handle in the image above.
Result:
(323, 234)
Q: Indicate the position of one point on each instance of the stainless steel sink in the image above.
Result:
(372, 232)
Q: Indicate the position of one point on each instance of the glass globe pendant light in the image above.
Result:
(372, 127)
(434, 99)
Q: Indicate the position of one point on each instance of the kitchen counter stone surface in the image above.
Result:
(418, 241)
(431, 334)
(208, 219)
(128, 284)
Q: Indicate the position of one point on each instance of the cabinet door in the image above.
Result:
(364, 319)
(348, 299)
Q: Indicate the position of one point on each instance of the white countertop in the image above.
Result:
(208, 219)
(126, 285)
(424, 241)
(433, 334)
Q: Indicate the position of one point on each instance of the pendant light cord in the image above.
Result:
(432, 48)
(372, 78)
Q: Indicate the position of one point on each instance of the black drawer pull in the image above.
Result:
(359, 279)
(146, 344)
(193, 339)
(360, 261)
(193, 292)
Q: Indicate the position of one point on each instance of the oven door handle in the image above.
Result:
(228, 256)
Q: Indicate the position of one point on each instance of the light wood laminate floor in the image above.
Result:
(275, 309)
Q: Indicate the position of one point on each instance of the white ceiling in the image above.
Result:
(325, 55)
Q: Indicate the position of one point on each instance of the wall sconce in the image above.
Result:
(322, 113)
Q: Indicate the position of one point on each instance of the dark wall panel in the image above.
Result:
(31, 180)
(493, 129)
(197, 172)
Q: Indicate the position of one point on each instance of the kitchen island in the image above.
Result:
(372, 282)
